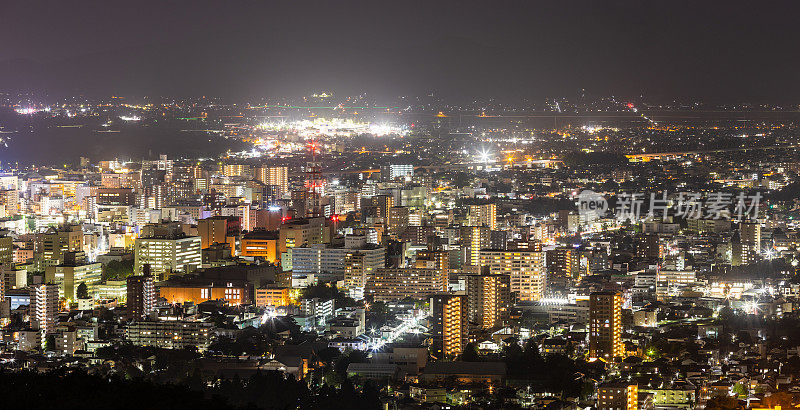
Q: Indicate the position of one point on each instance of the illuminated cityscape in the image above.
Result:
(400, 206)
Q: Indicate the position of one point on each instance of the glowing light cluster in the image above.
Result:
(31, 110)
(334, 127)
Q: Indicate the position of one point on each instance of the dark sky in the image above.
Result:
(724, 51)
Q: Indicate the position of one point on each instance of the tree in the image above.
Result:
(723, 403)
(118, 269)
(50, 343)
(83, 291)
(740, 390)
(471, 353)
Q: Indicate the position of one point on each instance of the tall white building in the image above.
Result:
(44, 307)
(167, 249)
(318, 259)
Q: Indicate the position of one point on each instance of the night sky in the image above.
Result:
(726, 51)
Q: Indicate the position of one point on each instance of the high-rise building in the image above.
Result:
(475, 238)
(303, 232)
(398, 221)
(319, 259)
(141, 295)
(488, 299)
(749, 242)
(483, 215)
(380, 203)
(524, 266)
(605, 325)
(182, 185)
(360, 264)
(56, 242)
(9, 203)
(6, 251)
(261, 244)
(235, 170)
(648, 246)
(563, 266)
(44, 307)
(448, 325)
(277, 176)
(219, 229)
(392, 284)
(393, 171)
(75, 270)
(166, 248)
(433, 258)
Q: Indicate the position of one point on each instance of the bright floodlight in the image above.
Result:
(484, 155)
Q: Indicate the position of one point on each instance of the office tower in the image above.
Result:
(261, 244)
(475, 238)
(488, 299)
(72, 272)
(141, 295)
(44, 307)
(525, 267)
(57, 241)
(277, 176)
(303, 232)
(605, 325)
(483, 215)
(393, 284)
(617, 396)
(319, 259)
(166, 248)
(448, 325)
(116, 196)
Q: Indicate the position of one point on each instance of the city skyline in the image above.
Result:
(400, 205)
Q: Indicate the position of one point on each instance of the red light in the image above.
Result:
(630, 105)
